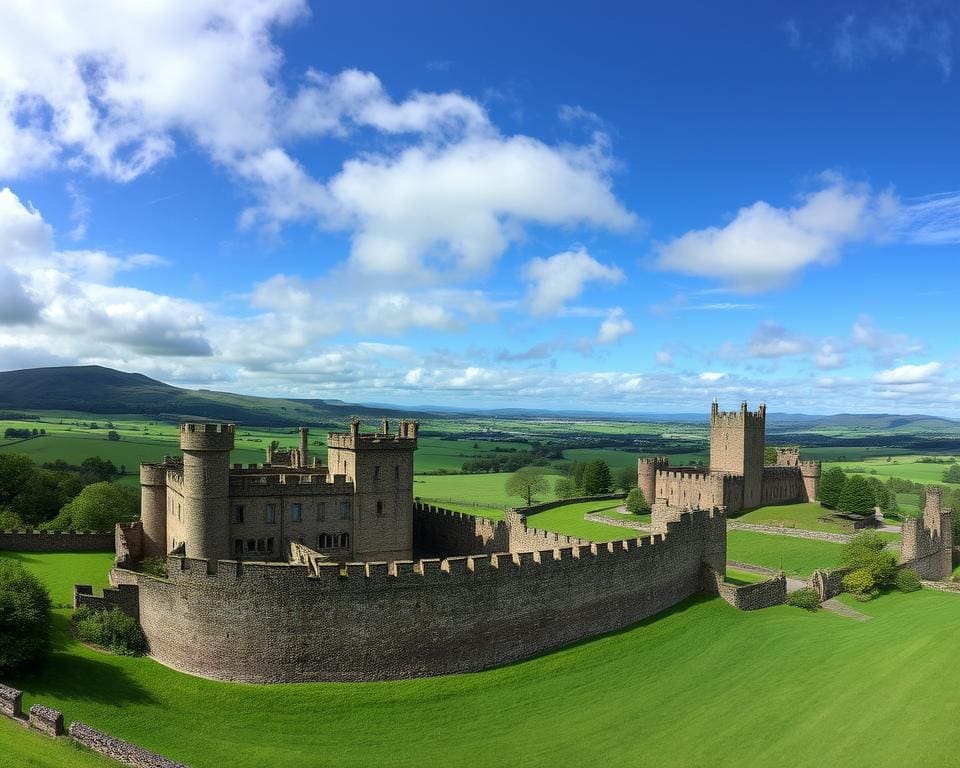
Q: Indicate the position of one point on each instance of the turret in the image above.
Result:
(810, 472)
(206, 489)
(153, 509)
(304, 434)
(647, 476)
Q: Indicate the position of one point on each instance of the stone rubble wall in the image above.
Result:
(799, 533)
(747, 597)
(828, 582)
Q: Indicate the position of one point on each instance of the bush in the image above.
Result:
(112, 629)
(154, 566)
(806, 598)
(98, 507)
(907, 580)
(636, 504)
(860, 583)
(868, 551)
(24, 618)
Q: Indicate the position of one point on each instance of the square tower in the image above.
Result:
(736, 446)
(380, 465)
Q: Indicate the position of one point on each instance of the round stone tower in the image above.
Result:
(647, 476)
(153, 509)
(206, 489)
(810, 472)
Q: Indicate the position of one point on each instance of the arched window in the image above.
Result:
(324, 541)
(344, 540)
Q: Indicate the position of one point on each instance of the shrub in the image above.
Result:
(806, 598)
(869, 551)
(97, 507)
(907, 580)
(636, 504)
(860, 583)
(154, 566)
(112, 629)
(24, 618)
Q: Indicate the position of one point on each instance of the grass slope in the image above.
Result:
(61, 570)
(807, 690)
(486, 489)
(797, 557)
(29, 749)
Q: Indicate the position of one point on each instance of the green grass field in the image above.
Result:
(803, 516)
(804, 689)
(568, 519)
(796, 557)
(61, 570)
(907, 467)
(465, 489)
(739, 578)
(20, 748)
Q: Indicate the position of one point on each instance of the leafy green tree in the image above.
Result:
(860, 583)
(43, 497)
(625, 478)
(868, 552)
(16, 472)
(94, 469)
(952, 474)
(564, 488)
(24, 618)
(575, 472)
(597, 478)
(856, 496)
(831, 484)
(769, 455)
(526, 483)
(113, 435)
(98, 507)
(10, 521)
(636, 504)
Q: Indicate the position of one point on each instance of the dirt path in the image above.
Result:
(842, 609)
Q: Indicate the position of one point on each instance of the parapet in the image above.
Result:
(156, 473)
(742, 417)
(206, 437)
(810, 468)
(788, 457)
(406, 437)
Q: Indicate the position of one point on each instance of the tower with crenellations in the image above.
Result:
(736, 446)
(204, 512)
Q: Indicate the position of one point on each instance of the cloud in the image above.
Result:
(16, 307)
(829, 356)
(664, 357)
(763, 247)
(711, 376)
(616, 325)
(885, 346)
(79, 212)
(771, 340)
(929, 220)
(909, 374)
(562, 277)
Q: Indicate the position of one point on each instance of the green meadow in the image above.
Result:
(486, 489)
(908, 467)
(807, 689)
(796, 557)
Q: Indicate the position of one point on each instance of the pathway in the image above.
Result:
(842, 609)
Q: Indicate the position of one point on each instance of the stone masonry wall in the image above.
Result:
(828, 583)
(748, 597)
(269, 622)
(41, 541)
(927, 541)
(451, 533)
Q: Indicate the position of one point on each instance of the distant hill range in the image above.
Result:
(95, 389)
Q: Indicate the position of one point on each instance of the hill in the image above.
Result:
(95, 389)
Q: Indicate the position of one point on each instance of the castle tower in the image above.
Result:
(381, 467)
(647, 476)
(304, 434)
(153, 509)
(927, 542)
(810, 472)
(206, 489)
(736, 446)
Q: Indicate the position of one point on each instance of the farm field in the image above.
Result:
(546, 711)
(907, 467)
(466, 489)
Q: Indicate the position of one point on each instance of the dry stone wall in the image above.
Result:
(748, 597)
(118, 749)
(264, 622)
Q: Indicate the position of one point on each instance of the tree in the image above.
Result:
(831, 484)
(636, 504)
(597, 478)
(856, 497)
(42, 498)
(564, 488)
(952, 474)
(16, 472)
(769, 455)
(625, 478)
(526, 483)
(24, 618)
(113, 435)
(867, 552)
(95, 469)
(98, 507)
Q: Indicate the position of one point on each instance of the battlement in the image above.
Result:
(809, 468)
(56, 541)
(677, 473)
(252, 484)
(406, 437)
(743, 417)
(788, 457)
(206, 437)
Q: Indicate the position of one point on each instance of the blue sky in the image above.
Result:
(599, 207)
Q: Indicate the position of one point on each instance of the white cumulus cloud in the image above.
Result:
(909, 374)
(562, 277)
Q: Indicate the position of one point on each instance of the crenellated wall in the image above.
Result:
(266, 622)
(66, 541)
(441, 531)
(781, 485)
(689, 488)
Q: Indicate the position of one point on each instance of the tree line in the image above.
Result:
(58, 496)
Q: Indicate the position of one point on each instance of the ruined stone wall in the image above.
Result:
(829, 582)
(782, 485)
(128, 544)
(441, 531)
(747, 597)
(927, 541)
(67, 541)
(273, 622)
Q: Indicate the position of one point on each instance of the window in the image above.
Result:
(322, 511)
(238, 513)
(376, 472)
(269, 545)
(296, 513)
(238, 546)
(396, 473)
(379, 508)
(271, 513)
(251, 545)
(261, 545)
(344, 510)
(324, 541)
(344, 540)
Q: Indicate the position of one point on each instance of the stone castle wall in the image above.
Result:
(927, 541)
(687, 488)
(782, 485)
(747, 597)
(439, 530)
(67, 541)
(264, 622)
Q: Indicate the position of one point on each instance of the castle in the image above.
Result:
(737, 477)
(357, 508)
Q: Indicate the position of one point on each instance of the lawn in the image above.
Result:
(805, 690)
(33, 750)
(791, 516)
(568, 519)
(740, 578)
(61, 570)
(797, 557)
(907, 467)
(466, 489)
